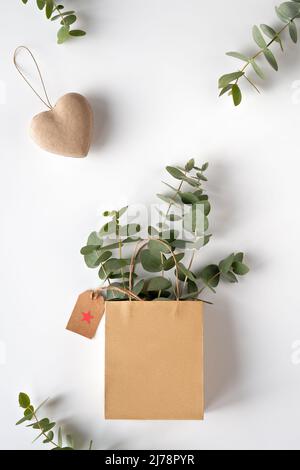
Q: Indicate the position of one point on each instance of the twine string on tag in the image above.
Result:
(47, 102)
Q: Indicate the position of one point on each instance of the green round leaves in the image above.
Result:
(236, 94)
(159, 284)
(55, 12)
(151, 262)
(24, 400)
(264, 37)
(240, 268)
(210, 276)
(164, 248)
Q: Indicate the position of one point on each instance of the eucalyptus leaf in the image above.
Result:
(50, 437)
(240, 256)
(115, 264)
(49, 426)
(103, 274)
(293, 32)
(289, 9)
(186, 272)
(159, 284)
(175, 172)
(29, 411)
(190, 165)
(150, 262)
(210, 276)
(257, 69)
(240, 268)
(94, 239)
(226, 89)
(24, 419)
(104, 257)
(42, 424)
(270, 32)
(24, 400)
(170, 262)
(86, 250)
(229, 78)
(41, 4)
(192, 287)
(62, 35)
(138, 287)
(226, 264)
(62, 15)
(77, 33)
(238, 55)
(230, 277)
(92, 259)
(156, 247)
(258, 37)
(281, 16)
(271, 59)
(192, 181)
(68, 20)
(236, 94)
(49, 8)
(188, 198)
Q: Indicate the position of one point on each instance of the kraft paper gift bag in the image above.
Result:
(154, 360)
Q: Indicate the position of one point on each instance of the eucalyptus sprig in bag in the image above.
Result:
(153, 302)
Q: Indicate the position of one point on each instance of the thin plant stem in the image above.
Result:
(189, 268)
(162, 271)
(60, 14)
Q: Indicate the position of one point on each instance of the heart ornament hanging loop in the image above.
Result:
(65, 129)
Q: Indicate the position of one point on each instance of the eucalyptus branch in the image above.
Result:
(45, 426)
(162, 251)
(66, 18)
(287, 12)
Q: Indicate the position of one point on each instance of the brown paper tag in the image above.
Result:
(87, 314)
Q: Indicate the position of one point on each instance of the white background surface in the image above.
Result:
(154, 64)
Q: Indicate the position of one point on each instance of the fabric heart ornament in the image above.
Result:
(67, 128)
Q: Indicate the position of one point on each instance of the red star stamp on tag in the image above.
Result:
(87, 317)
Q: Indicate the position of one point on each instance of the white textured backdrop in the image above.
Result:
(154, 64)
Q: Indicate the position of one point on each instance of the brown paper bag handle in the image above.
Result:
(130, 294)
(136, 253)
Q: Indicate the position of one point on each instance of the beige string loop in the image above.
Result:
(128, 292)
(47, 102)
